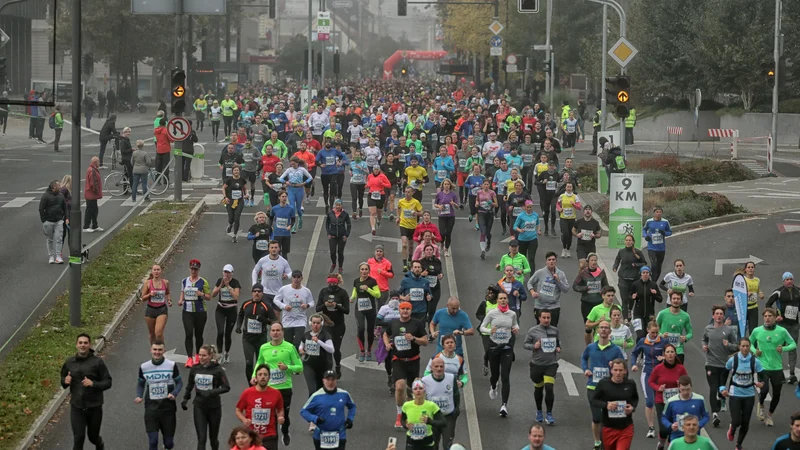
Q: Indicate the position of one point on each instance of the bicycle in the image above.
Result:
(117, 183)
(116, 155)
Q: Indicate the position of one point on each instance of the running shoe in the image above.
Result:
(378, 224)
(189, 362)
(723, 404)
(546, 232)
(715, 421)
(568, 254)
(539, 416)
(361, 357)
(504, 232)
(374, 232)
(52, 260)
(287, 438)
(792, 379)
(341, 270)
(88, 230)
(99, 229)
(651, 433)
(488, 246)
(368, 356)
(470, 217)
(398, 424)
(355, 215)
(548, 419)
(228, 229)
(338, 372)
(768, 421)
(447, 252)
(730, 433)
(197, 359)
(563, 253)
(405, 268)
(760, 412)
(483, 254)
(503, 411)
(333, 267)
(553, 233)
(477, 228)
(493, 393)
(391, 216)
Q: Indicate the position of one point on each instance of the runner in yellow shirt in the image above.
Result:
(408, 210)
(416, 176)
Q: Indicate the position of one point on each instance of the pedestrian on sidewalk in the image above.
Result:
(101, 103)
(111, 99)
(107, 133)
(58, 123)
(86, 392)
(141, 168)
(65, 187)
(52, 211)
(92, 191)
(163, 147)
(4, 112)
(41, 118)
(88, 109)
(33, 112)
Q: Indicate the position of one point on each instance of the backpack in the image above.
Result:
(52, 121)
(736, 368)
(619, 161)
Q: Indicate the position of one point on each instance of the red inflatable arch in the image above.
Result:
(400, 55)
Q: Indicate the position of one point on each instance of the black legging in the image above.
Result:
(251, 346)
(226, 320)
(625, 292)
(235, 214)
(501, 201)
(436, 294)
(487, 342)
(337, 334)
(193, 325)
(206, 424)
(336, 245)
(544, 392)
(86, 422)
(752, 320)
(287, 403)
(485, 222)
(473, 210)
(566, 232)
(215, 129)
(313, 372)
(329, 188)
(446, 225)
(527, 178)
(774, 378)
(656, 261)
(500, 365)
(528, 249)
(162, 161)
(663, 432)
(741, 409)
(365, 317)
(357, 192)
(716, 377)
(548, 203)
(228, 124)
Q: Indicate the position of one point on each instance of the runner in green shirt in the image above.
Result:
(515, 259)
(281, 356)
(674, 324)
(602, 311)
(690, 439)
(419, 416)
(770, 341)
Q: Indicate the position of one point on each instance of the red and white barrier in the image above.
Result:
(722, 132)
(675, 130)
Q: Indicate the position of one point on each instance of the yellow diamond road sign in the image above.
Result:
(623, 52)
(496, 27)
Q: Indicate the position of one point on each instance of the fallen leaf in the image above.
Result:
(28, 411)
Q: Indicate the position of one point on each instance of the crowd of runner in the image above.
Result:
(420, 151)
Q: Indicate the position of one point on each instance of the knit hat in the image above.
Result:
(644, 268)
(786, 276)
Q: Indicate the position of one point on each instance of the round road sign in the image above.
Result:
(511, 59)
(179, 128)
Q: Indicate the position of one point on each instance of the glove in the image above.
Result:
(647, 238)
(183, 405)
(348, 424)
(238, 331)
(319, 421)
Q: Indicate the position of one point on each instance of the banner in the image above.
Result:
(739, 287)
(625, 209)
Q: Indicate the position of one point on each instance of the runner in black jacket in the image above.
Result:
(256, 316)
(210, 381)
(334, 304)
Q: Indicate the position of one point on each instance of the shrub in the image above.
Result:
(659, 162)
(681, 206)
(791, 106)
(654, 179)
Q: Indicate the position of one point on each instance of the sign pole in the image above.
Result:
(178, 59)
(322, 45)
(75, 212)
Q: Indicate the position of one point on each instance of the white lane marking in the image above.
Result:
(694, 230)
(14, 159)
(213, 199)
(469, 395)
(312, 247)
(18, 202)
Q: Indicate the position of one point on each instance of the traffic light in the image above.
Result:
(789, 73)
(768, 72)
(618, 89)
(528, 6)
(178, 92)
(336, 62)
(404, 71)
(273, 6)
(402, 7)
(3, 69)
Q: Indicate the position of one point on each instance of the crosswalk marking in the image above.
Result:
(212, 199)
(18, 202)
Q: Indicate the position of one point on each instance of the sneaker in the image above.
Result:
(59, 260)
(398, 424)
(477, 227)
(197, 359)
(52, 260)
(768, 421)
(405, 268)
(760, 411)
(651, 433)
(730, 433)
(368, 356)
(338, 372)
(485, 370)
(311, 427)
(493, 393)
(504, 232)
(287, 438)
(563, 253)
(483, 254)
(341, 271)
(568, 254)
(548, 419)
(470, 217)
(503, 411)
(361, 357)
(447, 252)
(88, 230)
(715, 421)
(553, 233)
(333, 267)
(355, 215)
(488, 246)
(374, 232)
(539, 416)
(391, 216)
(361, 213)
(660, 445)
(228, 229)
(547, 232)
(189, 362)
(723, 405)
(792, 379)
(597, 446)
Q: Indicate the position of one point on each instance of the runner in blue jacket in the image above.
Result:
(325, 411)
(416, 289)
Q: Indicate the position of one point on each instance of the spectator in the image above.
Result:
(141, 167)
(58, 122)
(52, 211)
(88, 109)
(4, 112)
(111, 99)
(92, 191)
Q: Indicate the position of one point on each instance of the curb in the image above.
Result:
(715, 221)
(54, 404)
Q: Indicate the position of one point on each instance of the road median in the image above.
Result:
(30, 390)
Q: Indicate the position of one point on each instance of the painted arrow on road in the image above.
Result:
(351, 362)
(171, 355)
(567, 369)
(718, 264)
(369, 238)
(788, 228)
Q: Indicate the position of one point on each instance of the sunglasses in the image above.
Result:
(257, 291)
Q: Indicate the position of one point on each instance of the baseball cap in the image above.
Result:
(227, 268)
(786, 276)
(513, 243)
(297, 273)
(328, 374)
(194, 264)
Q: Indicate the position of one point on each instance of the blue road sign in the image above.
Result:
(496, 41)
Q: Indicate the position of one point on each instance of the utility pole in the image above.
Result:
(179, 64)
(496, 59)
(777, 57)
(552, 78)
(75, 220)
(547, 51)
(360, 39)
(322, 45)
(603, 75)
(310, 54)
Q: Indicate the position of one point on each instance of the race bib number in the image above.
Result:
(254, 326)
(236, 195)
(371, 160)
(550, 185)
(657, 238)
(462, 163)
(277, 376)
(442, 402)
(548, 344)
(502, 335)
(570, 129)
(204, 382)
(742, 379)
(587, 235)
(229, 171)
(262, 245)
(158, 298)
(357, 178)
(637, 324)
(598, 373)
(791, 312)
(530, 226)
(281, 222)
(364, 304)
(669, 393)
(260, 416)
(158, 391)
(375, 195)
(401, 343)
(417, 294)
(272, 273)
(408, 213)
(433, 280)
(295, 303)
(516, 211)
(190, 294)
(311, 348)
(569, 213)
(330, 160)
(548, 289)
(674, 339)
(594, 286)
(527, 158)
(441, 174)
(248, 157)
(445, 210)
(619, 411)
(225, 295)
(329, 439)
(419, 431)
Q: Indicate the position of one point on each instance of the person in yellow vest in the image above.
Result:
(228, 106)
(630, 122)
(596, 125)
(564, 116)
(200, 107)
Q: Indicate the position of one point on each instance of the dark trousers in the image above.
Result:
(294, 335)
(656, 261)
(628, 136)
(594, 140)
(40, 128)
(446, 225)
(226, 320)
(337, 335)
(92, 210)
(235, 214)
(206, 424)
(336, 245)
(566, 232)
(500, 366)
(4, 120)
(162, 160)
(187, 169)
(57, 138)
(215, 129)
(103, 145)
(625, 292)
(741, 409)
(528, 249)
(86, 422)
(32, 127)
(716, 377)
(287, 403)
(193, 325)
(228, 125)
(251, 345)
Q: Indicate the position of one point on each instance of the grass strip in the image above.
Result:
(29, 375)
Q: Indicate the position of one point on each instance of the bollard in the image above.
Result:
(198, 162)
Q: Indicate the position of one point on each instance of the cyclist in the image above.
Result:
(227, 291)
(408, 210)
(543, 341)
(259, 233)
(210, 381)
(159, 384)
(546, 286)
(502, 327)
(680, 282)
(675, 325)
(650, 349)
(261, 408)
(195, 291)
(256, 316)
(364, 295)
(234, 191)
(719, 341)
(325, 409)
(664, 382)
(770, 341)
(403, 338)
(156, 293)
(740, 390)
(282, 359)
(596, 364)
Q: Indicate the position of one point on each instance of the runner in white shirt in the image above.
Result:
(273, 269)
(490, 149)
(318, 121)
(294, 299)
(372, 154)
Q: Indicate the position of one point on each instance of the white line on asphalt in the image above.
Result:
(14, 159)
(694, 230)
(312, 248)
(18, 202)
(469, 396)
(61, 161)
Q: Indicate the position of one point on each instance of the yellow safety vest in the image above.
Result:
(565, 112)
(597, 117)
(630, 121)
